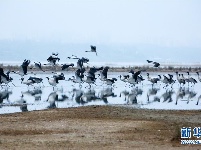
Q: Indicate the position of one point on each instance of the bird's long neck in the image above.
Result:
(182, 76)
(148, 77)
(178, 78)
(188, 75)
(198, 76)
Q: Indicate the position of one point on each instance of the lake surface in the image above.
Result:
(20, 97)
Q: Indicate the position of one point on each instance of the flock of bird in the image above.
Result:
(89, 76)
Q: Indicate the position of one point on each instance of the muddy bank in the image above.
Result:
(96, 127)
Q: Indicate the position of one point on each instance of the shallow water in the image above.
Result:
(20, 97)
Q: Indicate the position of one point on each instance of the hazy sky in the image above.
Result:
(165, 23)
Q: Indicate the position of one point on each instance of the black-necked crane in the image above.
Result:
(38, 66)
(167, 80)
(80, 61)
(156, 64)
(187, 80)
(152, 80)
(78, 78)
(90, 80)
(164, 79)
(180, 79)
(93, 70)
(36, 80)
(28, 82)
(66, 66)
(149, 61)
(23, 68)
(110, 81)
(191, 79)
(54, 80)
(198, 76)
(93, 49)
(25, 65)
(52, 60)
(134, 77)
(124, 78)
(103, 73)
(5, 78)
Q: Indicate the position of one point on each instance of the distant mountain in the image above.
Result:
(40, 51)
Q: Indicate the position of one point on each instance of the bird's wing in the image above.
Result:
(24, 69)
(136, 74)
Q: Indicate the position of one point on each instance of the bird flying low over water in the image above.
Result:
(53, 59)
(66, 66)
(93, 49)
(80, 61)
(103, 73)
(38, 66)
(135, 74)
(31, 80)
(149, 61)
(156, 64)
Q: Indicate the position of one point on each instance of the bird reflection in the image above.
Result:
(89, 96)
(23, 107)
(198, 100)
(191, 95)
(180, 94)
(185, 93)
(105, 93)
(132, 96)
(51, 99)
(22, 103)
(62, 98)
(125, 93)
(77, 95)
(36, 93)
(152, 92)
(4, 95)
(167, 96)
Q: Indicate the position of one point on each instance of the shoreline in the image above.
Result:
(146, 68)
(97, 127)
